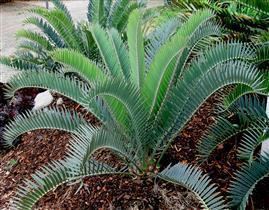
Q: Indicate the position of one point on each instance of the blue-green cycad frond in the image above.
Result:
(53, 118)
(119, 13)
(59, 4)
(50, 177)
(260, 6)
(80, 64)
(47, 29)
(252, 123)
(69, 87)
(158, 37)
(34, 37)
(245, 181)
(19, 63)
(194, 180)
(112, 50)
(61, 24)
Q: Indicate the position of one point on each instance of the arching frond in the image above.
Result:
(115, 12)
(194, 180)
(88, 140)
(107, 50)
(119, 21)
(234, 96)
(46, 29)
(249, 105)
(221, 53)
(35, 37)
(59, 4)
(62, 25)
(50, 177)
(29, 47)
(70, 88)
(245, 181)
(50, 119)
(260, 6)
(80, 64)
(121, 52)
(164, 65)
(262, 53)
(136, 48)
(19, 64)
(223, 130)
(251, 140)
(198, 43)
(158, 37)
(96, 12)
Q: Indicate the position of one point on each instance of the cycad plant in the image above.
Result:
(56, 29)
(143, 95)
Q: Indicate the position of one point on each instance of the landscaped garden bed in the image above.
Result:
(159, 108)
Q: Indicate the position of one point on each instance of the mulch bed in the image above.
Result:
(120, 192)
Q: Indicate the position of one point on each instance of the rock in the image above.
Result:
(42, 100)
(59, 101)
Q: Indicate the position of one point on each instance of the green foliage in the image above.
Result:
(252, 122)
(243, 18)
(136, 49)
(53, 118)
(193, 179)
(246, 179)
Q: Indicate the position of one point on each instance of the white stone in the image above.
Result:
(59, 101)
(265, 144)
(42, 100)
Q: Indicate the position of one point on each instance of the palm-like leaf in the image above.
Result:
(136, 49)
(131, 100)
(19, 63)
(245, 181)
(70, 88)
(35, 37)
(79, 64)
(223, 130)
(50, 177)
(108, 51)
(252, 123)
(88, 140)
(61, 23)
(260, 6)
(146, 108)
(47, 29)
(96, 11)
(159, 37)
(50, 119)
(193, 179)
